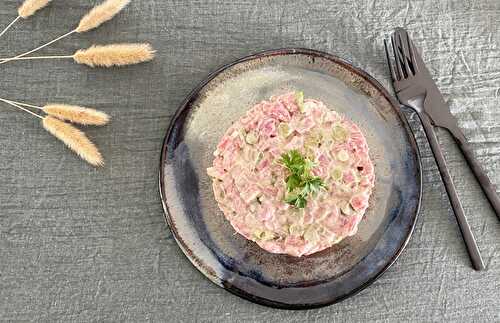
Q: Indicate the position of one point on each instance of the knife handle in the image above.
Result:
(470, 242)
(483, 179)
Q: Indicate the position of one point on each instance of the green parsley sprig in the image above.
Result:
(300, 183)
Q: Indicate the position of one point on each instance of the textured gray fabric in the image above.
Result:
(78, 244)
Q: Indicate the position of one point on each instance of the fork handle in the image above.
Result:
(470, 242)
(483, 179)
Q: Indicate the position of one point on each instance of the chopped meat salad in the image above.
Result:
(292, 175)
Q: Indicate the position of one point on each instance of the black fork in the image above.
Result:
(409, 85)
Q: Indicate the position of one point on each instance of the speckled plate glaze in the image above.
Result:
(240, 266)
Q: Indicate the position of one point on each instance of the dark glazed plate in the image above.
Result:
(240, 266)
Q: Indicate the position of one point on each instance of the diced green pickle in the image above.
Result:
(311, 235)
(251, 138)
(309, 152)
(242, 134)
(340, 133)
(313, 139)
(346, 209)
(259, 158)
(263, 235)
(299, 98)
(268, 235)
(283, 130)
(337, 174)
(343, 156)
(257, 234)
(296, 230)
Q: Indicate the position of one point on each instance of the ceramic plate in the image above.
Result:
(240, 266)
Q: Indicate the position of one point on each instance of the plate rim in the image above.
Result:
(192, 96)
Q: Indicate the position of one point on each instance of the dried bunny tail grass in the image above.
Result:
(9, 26)
(6, 60)
(77, 114)
(100, 14)
(75, 139)
(29, 7)
(104, 56)
(15, 104)
(114, 55)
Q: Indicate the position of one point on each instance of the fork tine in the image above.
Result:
(403, 52)
(399, 71)
(389, 62)
(412, 49)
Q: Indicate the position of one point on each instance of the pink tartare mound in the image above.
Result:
(249, 181)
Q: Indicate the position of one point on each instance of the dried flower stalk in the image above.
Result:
(115, 55)
(100, 14)
(76, 114)
(106, 55)
(14, 104)
(27, 9)
(97, 16)
(75, 139)
(72, 113)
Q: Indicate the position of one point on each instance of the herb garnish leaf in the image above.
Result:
(300, 183)
(299, 98)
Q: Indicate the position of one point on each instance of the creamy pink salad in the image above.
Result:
(250, 180)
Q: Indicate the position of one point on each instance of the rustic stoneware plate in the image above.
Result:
(240, 266)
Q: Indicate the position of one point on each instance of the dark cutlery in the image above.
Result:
(415, 88)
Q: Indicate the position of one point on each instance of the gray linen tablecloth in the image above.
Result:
(80, 244)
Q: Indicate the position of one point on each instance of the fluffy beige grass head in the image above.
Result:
(29, 7)
(100, 14)
(75, 139)
(76, 114)
(115, 55)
